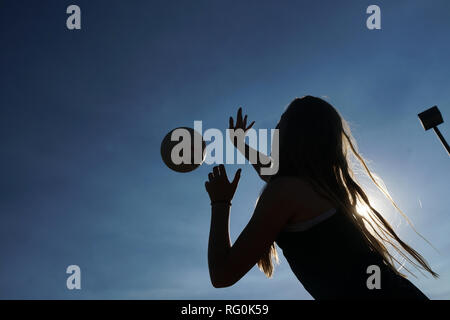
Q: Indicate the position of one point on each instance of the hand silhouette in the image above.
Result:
(240, 124)
(219, 188)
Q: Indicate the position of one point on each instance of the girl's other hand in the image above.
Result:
(219, 188)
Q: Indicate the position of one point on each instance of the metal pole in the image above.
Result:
(444, 143)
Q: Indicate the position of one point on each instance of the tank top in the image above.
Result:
(332, 260)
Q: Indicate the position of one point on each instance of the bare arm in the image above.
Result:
(262, 160)
(229, 263)
(219, 243)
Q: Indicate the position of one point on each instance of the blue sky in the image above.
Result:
(83, 114)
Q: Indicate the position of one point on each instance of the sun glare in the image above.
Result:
(363, 210)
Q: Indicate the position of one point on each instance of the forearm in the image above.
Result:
(219, 243)
(262, 160)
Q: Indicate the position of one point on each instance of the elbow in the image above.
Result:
(221, 282)
(218, 284)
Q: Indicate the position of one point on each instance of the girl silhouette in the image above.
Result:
(309, 209)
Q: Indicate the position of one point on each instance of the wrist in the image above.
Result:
(226, 203)
(237, 140)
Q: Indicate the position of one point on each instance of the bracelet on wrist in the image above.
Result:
(216, 203)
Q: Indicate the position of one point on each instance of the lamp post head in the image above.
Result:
(430, 118)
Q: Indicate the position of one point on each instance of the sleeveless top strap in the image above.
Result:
(305, 225)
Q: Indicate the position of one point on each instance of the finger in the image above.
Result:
(223, 171)
(251, 125)
(245, 122)
(216, 171)
(239, 116)
(231, 123)
(210, 176)
(237, 176)
(207, 186)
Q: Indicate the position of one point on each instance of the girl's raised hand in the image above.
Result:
(241, 123)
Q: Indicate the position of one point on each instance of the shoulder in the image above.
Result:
(288, 186)
(288, 192)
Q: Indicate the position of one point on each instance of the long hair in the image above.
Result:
(315, 144)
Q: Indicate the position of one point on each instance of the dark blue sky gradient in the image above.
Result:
(82, 115)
